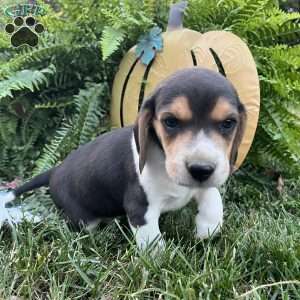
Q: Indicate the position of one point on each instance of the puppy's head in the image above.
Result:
(196, 117)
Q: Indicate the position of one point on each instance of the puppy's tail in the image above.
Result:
(36, 182)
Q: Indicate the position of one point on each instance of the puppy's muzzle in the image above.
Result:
(201, 172)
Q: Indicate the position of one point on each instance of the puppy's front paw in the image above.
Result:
(155, 247)
(210, 213)
(206, 229)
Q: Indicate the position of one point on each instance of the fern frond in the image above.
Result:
(79, 130)
(150, 8)
(89, 110)
(247, 10)
(27, 59)
(25, 79)
(110, 41)
(270, 33)
(52, 152)
(209, 15)
(289, 33)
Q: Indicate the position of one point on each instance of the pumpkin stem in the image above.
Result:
(176, 15)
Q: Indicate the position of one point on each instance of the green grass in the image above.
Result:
(256, 256)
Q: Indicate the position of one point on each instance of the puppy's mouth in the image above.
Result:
(195, 184)
(187, 181)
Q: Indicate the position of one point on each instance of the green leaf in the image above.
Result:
(110, 41)
(25, 79)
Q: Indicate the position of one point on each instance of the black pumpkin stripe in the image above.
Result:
(124, 91)
(218, 62)
(194, 58)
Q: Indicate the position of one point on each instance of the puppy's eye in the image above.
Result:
(171, 122)
(227, 125)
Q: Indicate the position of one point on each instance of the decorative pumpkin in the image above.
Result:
(221, 51)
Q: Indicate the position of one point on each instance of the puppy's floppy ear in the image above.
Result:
(141, 129)
(238, 135)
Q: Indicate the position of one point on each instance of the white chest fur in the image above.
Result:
(163, 194)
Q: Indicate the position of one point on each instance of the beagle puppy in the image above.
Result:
(183, 146)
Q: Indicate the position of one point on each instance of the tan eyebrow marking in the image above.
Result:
(179, 108)
(222, 109)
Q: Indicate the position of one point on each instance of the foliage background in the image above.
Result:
(48, 106)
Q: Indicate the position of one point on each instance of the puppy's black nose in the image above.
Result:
(201, 172)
